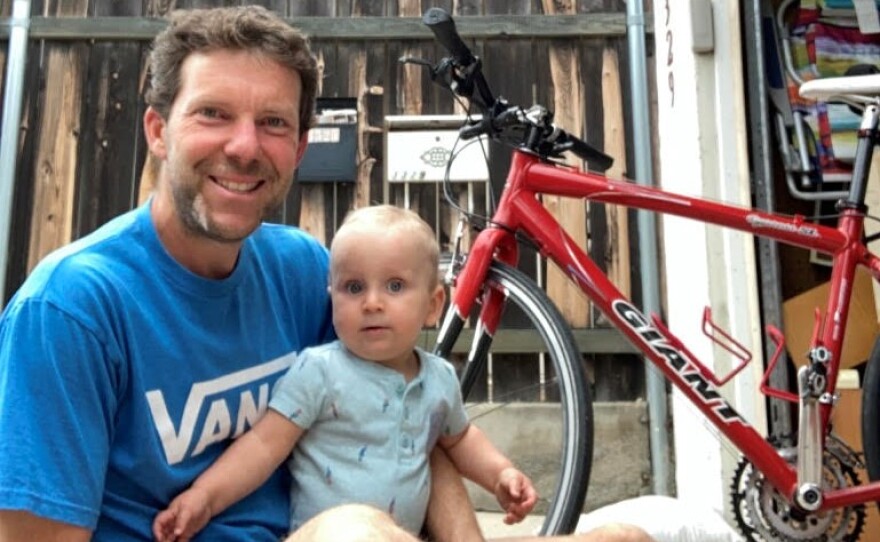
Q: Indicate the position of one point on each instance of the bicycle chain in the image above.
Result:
(763, 515)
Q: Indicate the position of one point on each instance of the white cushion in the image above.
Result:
(665, 518)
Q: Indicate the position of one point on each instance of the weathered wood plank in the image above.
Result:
(55, 184)
(618, 261)
(346, 66)
(571, 213)
(110, 138)
(508, 7)
(111, 145)
(590, 55)
(357, 87)
(369, 8)
(376, 104)
(313, 197)
(344, 28)
(591, 6)
(311, 8)
(468, 7)
(278, 6)
(115, 8)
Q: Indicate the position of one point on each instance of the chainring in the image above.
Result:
(765, 515)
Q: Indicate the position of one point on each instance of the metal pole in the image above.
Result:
(12, 98)
(648, 262)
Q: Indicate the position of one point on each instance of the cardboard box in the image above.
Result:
(799, 320)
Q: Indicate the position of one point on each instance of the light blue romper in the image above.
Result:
(368, 434)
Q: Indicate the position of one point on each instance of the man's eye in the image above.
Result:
(354, 287)
(275, 122)
(395, 286)
(209, 112)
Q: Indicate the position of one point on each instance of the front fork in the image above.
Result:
(491, 243)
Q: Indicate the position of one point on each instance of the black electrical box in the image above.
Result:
(331, 155)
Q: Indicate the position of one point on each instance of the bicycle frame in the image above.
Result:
(520, 209)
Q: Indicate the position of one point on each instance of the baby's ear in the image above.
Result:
(435, 307)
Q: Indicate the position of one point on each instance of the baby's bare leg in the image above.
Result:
(351, 523)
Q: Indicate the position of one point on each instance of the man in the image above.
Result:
(130, 359)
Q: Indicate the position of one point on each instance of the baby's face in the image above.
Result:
(383, 293)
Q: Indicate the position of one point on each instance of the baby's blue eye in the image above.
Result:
(354, 287)
(395, 286)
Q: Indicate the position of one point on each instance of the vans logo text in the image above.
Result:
(216, 413)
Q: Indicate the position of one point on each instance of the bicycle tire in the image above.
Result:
(871, 413)
(562, 499)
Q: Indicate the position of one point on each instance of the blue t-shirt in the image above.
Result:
(369, 432)
(123, 375)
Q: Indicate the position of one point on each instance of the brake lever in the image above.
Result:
(416, 60)
(443, 73)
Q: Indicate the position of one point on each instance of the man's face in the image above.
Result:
(230, 144)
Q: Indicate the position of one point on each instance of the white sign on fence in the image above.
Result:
(414, 155)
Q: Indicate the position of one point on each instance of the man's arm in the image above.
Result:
(451, 516)
(18, 526)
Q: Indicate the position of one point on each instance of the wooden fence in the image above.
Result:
(83, 159)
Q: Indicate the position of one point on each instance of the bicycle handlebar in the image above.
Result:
(443, 27)
(462, 73)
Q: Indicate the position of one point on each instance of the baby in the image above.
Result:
(359, 417)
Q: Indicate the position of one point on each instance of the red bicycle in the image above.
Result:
(805, 489)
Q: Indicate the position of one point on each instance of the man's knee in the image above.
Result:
(350, 523)
(617, 532)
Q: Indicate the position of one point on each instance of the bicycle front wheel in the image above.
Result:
(871, 414)
(525, 387)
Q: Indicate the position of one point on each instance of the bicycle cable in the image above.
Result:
(479, 221)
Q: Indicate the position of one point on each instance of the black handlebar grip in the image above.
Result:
(443, 27)
(597, 160)
(471, 131)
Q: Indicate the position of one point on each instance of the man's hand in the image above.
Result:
(515, 494)
(187, 515)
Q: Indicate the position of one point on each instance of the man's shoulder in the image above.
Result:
(280, 245)
(91, 258)
(282, 235)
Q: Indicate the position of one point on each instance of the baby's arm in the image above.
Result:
(248, 463)
(479, 460)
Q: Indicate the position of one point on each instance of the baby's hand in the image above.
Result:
(185, 516)
(515, 494)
